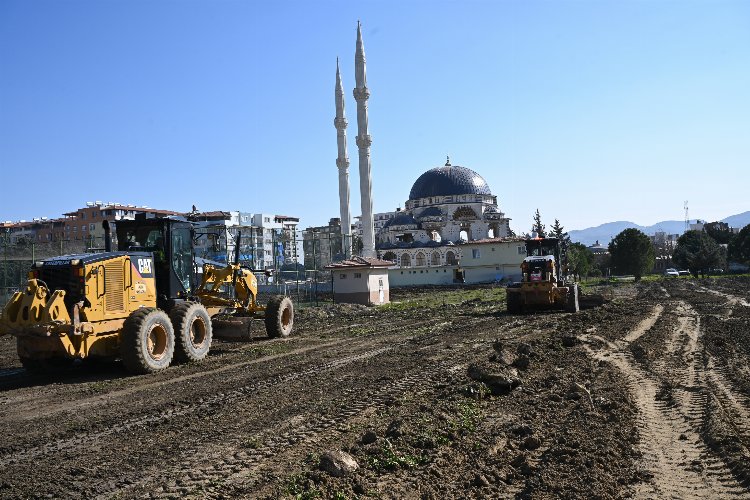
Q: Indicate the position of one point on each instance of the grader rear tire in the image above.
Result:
(192, 330)
(279, 316)
(147, 341)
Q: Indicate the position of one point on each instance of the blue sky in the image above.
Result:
(589, 111)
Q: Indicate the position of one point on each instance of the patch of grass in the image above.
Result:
(253, 443)
(440, 298)
(312, 460)
(467, 418)
(400, 306)
(300, 487)
(389, 459)
(359, 330)
(100, 386)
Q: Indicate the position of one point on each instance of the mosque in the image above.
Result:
(447, 206)
(450, 228)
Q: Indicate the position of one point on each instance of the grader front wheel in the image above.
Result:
(279, 316)
(147, 341)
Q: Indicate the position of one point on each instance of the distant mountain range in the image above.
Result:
(606, 232)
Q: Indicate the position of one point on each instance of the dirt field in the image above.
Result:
(646, 396)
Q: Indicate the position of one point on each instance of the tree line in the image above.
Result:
(633, 252)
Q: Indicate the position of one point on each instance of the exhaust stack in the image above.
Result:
(107, 236)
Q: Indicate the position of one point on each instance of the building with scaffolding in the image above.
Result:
(323, 245)
(266, 241)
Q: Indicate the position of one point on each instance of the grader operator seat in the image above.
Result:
(171, 242)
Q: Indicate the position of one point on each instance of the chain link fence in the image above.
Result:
(285, 262)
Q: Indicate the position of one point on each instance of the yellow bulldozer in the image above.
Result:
(542, 282)
(142, 303)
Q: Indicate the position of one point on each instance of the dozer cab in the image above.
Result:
(142, 303)
(542, 283)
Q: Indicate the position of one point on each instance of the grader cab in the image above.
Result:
(542, 282)
(142, 303)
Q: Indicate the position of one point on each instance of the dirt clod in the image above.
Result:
(338, 463)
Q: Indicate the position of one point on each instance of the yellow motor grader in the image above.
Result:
(542, 284)
(142, 303)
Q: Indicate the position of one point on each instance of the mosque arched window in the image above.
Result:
(421, 260)
(450, 258)
(405, 260)
(389, 256)
(435, 259)
(465, 213)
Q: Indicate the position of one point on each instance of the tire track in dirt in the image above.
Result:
(238, 465)
(230, 462)
(731, 299)
(26, 409)
(730, 405)
(734, 407)
(737, 403)
(220, 398)
(677, 460)
(645, 325)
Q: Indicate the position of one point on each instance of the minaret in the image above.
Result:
(361, 94)
(342, 162)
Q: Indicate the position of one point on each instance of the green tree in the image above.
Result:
(739, 247)
(557, 231)
(580, 259)
(631, 252)
(698, 252)
(719, 231)
(538, 227)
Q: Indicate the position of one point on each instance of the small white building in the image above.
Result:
(361, 280)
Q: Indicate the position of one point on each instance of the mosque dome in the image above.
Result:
(448, 180)
(402, 219)
(431, 212)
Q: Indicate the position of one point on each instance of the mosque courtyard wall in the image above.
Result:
(485, 261)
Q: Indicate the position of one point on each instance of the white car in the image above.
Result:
(671, 272)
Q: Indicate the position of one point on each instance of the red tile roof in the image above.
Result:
(495, 240)
(360, 262)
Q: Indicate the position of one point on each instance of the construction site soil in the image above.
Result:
(645, 394)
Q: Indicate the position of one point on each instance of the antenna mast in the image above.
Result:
(687, 218)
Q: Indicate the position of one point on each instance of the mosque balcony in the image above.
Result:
(363, 141)
(434, 219)
(494, 216)
(361, 93)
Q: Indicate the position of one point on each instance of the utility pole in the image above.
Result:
(315, 266)
(5, 266)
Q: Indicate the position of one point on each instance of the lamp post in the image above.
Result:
(5, 254)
